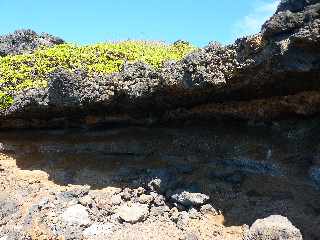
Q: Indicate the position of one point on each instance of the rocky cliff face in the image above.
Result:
(25, 41)
(272, 75)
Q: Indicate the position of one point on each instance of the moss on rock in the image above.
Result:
(27, 71)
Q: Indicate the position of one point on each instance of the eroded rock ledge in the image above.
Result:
(272, 75)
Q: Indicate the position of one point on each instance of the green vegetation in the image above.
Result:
(31, 70)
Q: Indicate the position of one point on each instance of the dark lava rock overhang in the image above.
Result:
(272, 75)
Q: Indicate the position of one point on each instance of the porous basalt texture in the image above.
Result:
(272, 75)
(25, 41)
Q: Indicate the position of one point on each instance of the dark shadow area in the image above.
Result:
(249, 172)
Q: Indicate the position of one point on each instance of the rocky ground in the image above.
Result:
(142, 183)
(32, 207)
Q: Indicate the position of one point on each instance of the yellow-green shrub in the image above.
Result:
(31, 70)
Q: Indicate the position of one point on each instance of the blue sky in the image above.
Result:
(83, 21)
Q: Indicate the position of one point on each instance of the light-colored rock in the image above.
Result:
(190, 199)
(274, 227)
(86, 200)
(76, 215)
(139, 191)
(133, 213)
(145, 199)
(159, 211)
(127, 194)
(183, 220)
(174, 214)
(193, 213)
(208, 208)
(116, 200)
(158, 199)
(2, 149)
(42, 203)
(99, 231)
(106, 192)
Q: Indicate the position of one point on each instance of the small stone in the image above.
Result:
(86, 200)
(193, 213)
(126, 194)
(189, 199)
(158, 200)
(155, 184)
(99, 231)
(4, 238)
(76, 215)
(140, 191)
(183, 220)
(2, 149)
(42, 203)
(116, 200)
(208, 208)
(111, 190)
(159, 211)
(145, 199)
(133, 213)
(174, 214)
(78, 191)
(274, 227)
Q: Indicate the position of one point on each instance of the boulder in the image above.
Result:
(274, 227)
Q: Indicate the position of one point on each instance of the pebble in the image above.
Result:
(145, 199)
(155, 185)
(86, 200)
(159, 211)
(133, 213)
(139, 191)
(183, 220)
(174, 214)
(76, 215)
(208, 208)
(42, 203)
(193, 213)
(116, 200)
(189, 199)
(158, 200)
(126, 194)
